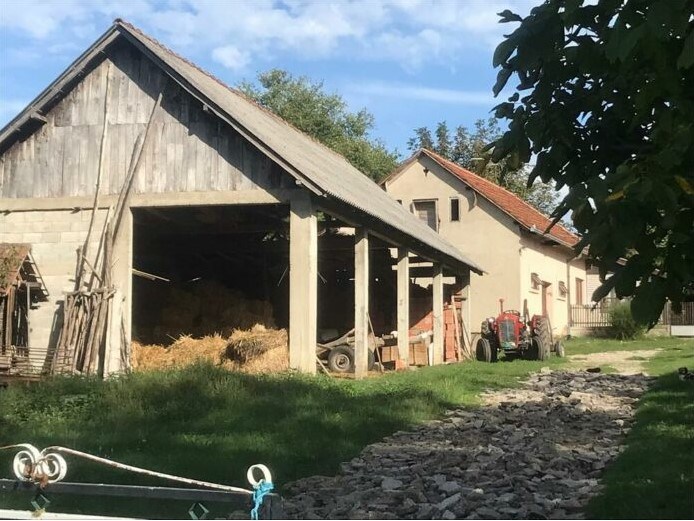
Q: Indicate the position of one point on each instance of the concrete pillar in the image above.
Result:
(403, 300)
(438, 346)
(361, 302)
(119, 325)
(303, 285)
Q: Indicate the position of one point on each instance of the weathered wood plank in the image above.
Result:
(190, 150)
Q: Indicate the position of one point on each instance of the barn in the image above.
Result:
(135, 171)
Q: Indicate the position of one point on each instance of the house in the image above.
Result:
(507, 235)
(211, 187)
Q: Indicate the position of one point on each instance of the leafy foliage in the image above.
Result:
(623, 325)
(325, 117)
(469, 150)
(608, 109)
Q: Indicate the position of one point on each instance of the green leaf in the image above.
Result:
(507, 16)
(501, 80)
(686, 59)
(504, 51)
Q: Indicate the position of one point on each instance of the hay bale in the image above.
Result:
(186, 350)
(244, 346)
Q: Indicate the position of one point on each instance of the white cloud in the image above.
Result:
(422, 93)
(407, 32)
(231, 57)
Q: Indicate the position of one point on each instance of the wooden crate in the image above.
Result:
(418, 353)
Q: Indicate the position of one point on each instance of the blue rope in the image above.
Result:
(262, 489)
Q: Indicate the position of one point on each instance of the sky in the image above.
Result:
(411, 63)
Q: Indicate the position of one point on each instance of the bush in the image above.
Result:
(623, 326)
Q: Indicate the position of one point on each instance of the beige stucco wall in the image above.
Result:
(493, 240)
(552, 265)
(484, 233)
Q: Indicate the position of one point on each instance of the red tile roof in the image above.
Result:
(527, 215)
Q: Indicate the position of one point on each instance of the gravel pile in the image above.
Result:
(535, 452)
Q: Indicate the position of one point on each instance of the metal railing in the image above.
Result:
(41, 473)
(598, 315)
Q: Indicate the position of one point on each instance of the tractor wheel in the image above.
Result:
(559, 349)
(543, 329)
(538, 349)
(483, 350)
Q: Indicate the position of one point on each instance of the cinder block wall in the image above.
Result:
(54, 236)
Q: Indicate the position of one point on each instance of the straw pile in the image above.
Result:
(258, 350)
(208, 307)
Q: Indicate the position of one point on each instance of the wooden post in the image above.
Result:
(404, 306)
(438, 314)
(361, 303)
(303, 285)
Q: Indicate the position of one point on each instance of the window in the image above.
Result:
(579, 291)
(455, 209)
(426, 211)
(563, 290)
(535, 281)
(399, 201)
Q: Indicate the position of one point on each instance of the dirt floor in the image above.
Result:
(623, 362)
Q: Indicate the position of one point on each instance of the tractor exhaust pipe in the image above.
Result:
(501, 305)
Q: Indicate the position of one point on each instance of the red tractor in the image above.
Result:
(517, 335)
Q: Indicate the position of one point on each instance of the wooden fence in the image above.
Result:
(598, 315)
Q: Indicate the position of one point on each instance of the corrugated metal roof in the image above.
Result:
(317, 165)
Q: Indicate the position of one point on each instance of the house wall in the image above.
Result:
(552, 265)
(484, 233)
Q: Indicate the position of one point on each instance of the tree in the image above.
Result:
(325, 117)
(605, 100)
(469, 151)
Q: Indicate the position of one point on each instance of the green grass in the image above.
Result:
(654, 477)
(207, 423)
(589, 345)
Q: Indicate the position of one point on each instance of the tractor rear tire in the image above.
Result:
(543, 329)
(559, 349)
(483, 350)
(538, 349)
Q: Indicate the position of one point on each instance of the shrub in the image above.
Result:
(623, 325)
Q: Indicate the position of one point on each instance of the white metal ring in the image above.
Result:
(24, 461)
(267, 477)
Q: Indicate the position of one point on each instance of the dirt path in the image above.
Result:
(534, 452)
(624, 362)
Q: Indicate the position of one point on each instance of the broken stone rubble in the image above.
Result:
(533, 452)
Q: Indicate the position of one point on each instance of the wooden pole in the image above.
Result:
(97, 187)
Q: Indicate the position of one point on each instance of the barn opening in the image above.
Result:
(202, 270)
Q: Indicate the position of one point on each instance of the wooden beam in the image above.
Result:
(403, 311)
(438, 314)
(361, 302)
(219, 198)
(303, 285)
